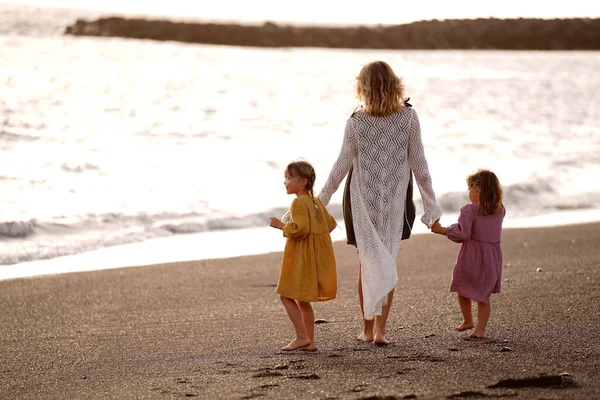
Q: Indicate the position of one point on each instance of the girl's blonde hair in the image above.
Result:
(380, 89)
(490, 191)
(303, 169)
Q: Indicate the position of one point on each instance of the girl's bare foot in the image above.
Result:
(363, 337)
(310, 347)
(296, 344)
(464, 326)
(477, 335)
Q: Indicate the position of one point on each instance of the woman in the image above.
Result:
(382, 143)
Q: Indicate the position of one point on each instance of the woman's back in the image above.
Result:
(382, 143)
(382, 163)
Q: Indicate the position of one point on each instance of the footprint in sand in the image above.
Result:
(268, 386)
(252, 396)
(305, 376)
(359, 388)
(266, 373)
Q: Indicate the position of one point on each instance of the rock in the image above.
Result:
(542, 381)
(481, 33)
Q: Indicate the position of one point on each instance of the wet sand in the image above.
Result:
(212, 329)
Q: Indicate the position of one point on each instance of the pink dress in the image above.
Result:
(478, 269)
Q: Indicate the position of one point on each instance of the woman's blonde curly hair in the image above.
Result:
(380, 89)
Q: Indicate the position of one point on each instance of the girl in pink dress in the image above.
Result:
(478, 269)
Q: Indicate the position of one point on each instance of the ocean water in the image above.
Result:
(143, 152)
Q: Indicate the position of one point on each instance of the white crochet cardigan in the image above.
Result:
(383, 151)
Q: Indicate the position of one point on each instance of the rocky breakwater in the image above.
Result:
(506, 34)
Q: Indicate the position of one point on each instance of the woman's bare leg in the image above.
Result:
(483, 315)
(367, 334)
(465, 309)
(295, 315)
(308, 318)
(381, 321)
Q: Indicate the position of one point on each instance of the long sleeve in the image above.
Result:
(461, 231)
(342, 165)
(420, 169)
(331, 223)
(299, 226)
(329, 219)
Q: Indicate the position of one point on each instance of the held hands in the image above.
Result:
(276, 223)
(438, 228)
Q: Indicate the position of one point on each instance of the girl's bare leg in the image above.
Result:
(308, 318)
(367, 334)
(293, 311)
(483, 315)
(381, 321)
(465, 308)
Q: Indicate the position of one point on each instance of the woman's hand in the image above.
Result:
(276, 223)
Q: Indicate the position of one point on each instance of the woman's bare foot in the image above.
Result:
(296, 344)
(464, 326)
(477, 335)
(380, 340)
(363, 337)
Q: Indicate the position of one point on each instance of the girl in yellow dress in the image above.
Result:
(308, 269)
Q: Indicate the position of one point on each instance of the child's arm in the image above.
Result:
(438, 228)
(276, 223)
(461, 231)
(331, 222)
(299, 227)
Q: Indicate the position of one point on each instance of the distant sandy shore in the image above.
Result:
(212, 329)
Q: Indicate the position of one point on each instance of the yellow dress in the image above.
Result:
(308, 269)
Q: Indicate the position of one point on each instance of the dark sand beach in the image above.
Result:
(212, 329)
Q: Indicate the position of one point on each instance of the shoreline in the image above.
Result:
(212, 329)
(229, 243)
